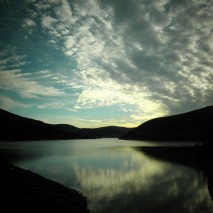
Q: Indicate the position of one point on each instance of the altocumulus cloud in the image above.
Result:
(147, 57)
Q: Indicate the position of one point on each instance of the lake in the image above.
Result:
(115, 175)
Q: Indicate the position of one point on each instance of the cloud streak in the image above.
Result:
(8, 103)
(24, 86)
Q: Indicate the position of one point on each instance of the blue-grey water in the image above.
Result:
(114, 175)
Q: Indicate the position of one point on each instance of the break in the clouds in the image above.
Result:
(118, 62)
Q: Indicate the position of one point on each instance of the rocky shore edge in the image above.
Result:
(25, 191)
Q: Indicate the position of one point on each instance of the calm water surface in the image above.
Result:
(114, 175)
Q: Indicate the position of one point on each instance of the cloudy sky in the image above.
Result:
(94, 63)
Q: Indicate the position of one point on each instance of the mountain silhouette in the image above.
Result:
(190, 126)
(101, 132)
(17, 128)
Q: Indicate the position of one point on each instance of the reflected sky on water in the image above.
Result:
(115, 176)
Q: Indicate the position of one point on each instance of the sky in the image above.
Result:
(93, 63)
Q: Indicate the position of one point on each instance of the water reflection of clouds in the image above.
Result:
(131, 167)
(125, 180)
(144, 183)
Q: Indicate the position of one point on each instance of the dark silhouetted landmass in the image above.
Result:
(191, 126)
(106, 132)
(24, 191)
(101, 132)
(17, 128)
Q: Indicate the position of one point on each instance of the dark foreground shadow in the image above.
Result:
(200, 158)
(24, 191)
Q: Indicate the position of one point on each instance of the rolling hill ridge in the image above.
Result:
(190, 126)
(17, 128)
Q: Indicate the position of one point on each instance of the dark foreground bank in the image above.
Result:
(24, 191)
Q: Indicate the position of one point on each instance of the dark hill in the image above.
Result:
(101, 132)
(106, 132)
(191, 126)
(15, 127)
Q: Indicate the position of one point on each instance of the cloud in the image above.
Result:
(8, 58)
(164, 46)
(47, 21)
(64, 12)
(150, 56)
(145, 45)
(101, 91)
(28, 23)
(8, 103)
(20, 82)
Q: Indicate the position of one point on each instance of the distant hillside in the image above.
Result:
(102, 132)
(15, 127)
(191, 126)
(106, 132)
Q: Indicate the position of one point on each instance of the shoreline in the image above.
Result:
(25, 191)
